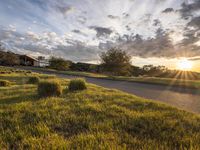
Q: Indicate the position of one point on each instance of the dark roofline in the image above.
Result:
(28, 57)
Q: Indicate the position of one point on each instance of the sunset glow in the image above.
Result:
(158, 32)
(184, 64)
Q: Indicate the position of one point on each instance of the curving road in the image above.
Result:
(187, 99)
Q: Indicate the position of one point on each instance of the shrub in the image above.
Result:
(116, 62)
(77, 84)
(33, 80)
(59, 63)
(49, 88)
(4, 83)
(28, 72)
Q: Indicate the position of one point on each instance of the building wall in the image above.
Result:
(35, 63)
(43, 63)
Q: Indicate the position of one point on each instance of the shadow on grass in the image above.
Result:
(18, 99)
(16, 79)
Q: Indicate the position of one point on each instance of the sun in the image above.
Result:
(184, 64)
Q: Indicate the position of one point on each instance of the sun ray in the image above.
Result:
(184, 65)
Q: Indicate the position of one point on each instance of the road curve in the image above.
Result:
(187, 99)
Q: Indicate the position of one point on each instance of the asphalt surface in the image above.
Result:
(187, 99)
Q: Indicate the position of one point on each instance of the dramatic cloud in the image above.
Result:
(80, 30)
(82, 19)
(156, 22)
(168, 10)
(160, 46)
(48, 43)
(101, 31)
(195, 22)
(188, 9)
(125, 15)
(113, 17)
(65, 10)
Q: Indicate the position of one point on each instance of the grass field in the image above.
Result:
(194, 84)
(96, 118)
(162, 81)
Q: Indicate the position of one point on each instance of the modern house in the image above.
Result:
(42, 62)
(26, 60)
(8, 58)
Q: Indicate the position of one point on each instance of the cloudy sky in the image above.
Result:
(156, 32)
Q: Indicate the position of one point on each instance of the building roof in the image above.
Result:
(29, 57)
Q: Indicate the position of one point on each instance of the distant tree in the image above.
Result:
(10, 59)
(151, 70)
(1, 47)
(136, 71)
(116, 62)
(79, 66)
(59, 63)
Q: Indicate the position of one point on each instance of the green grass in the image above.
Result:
(194, 84)
(96, 118)
(77, 84)
(75, 73)
(49, 88)
(4, 83)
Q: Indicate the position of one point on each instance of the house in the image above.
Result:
(42, 61)
(10, 58)
(31, 61)
(26, 60)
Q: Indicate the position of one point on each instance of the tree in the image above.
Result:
(12, 59)
(84, 67)
(116, 62)
(8, 58)
(1, 46)
(59, 63)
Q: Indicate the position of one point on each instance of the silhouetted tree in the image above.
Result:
(9, 58)
(59, 63)
(1, 47)
(116, 62)
(84, 67)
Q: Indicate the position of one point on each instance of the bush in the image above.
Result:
(116, 62)
(28, 72)
(49, 88)
(33, 80)
(4, 83)
(77, 84)
(59, 63)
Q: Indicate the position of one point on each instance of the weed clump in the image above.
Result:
(49, 88)
(77, 85)
(4, 83)
(33, 80)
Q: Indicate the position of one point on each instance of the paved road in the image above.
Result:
(187, 99)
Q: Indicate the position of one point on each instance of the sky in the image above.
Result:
(158, 32)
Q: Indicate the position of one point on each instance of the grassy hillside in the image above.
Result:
(96, 118)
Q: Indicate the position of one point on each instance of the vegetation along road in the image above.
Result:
(187, 99)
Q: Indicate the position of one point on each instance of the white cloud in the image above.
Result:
(46, 26)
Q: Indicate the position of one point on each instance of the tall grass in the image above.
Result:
(4, 83)
(34, 80)
(77, 84)
(96, 118)
(49, 88)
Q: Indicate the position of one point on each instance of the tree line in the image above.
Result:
(116, 62)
